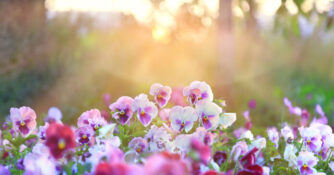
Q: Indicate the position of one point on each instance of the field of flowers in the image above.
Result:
(163, 134)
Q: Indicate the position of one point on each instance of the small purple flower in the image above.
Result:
(287, 133)
(42, 131)
(24, 120)
(91, 118)
(84, 135)
(311, 138)
(122, 109)
(198, 91)
(182, 118)
(293, 110)
(208, 113)
(252, 104)
(323, 119)
(273, 135)
(138, 144)
(54, 115)
(161, 94)
(146, 110)
(306, 162)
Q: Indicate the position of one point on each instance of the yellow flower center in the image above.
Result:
(84, 136)
(205, 119)
(61, 144)
(182, 124)
(304, 166)
(308, 142)
(138, 150)
(199, 98)
(122, 113)
(142, 113)
(22, 123)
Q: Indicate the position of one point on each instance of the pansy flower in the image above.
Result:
(208, 112)
(227, 119)
(138, 144)
(54, 115)
(198, 91)
(182, 118)
(84, 135)
(311, 138)
(23, 119)
(204, 135)
(91, 118)
(158, 139)
(240, 148)
(220, 157)
(59, 138)
(122, 109)
(293, 110)
(287, 133)
(165, 163)
(146, 110)
(273, 135)
(161, 94)
(306, 162)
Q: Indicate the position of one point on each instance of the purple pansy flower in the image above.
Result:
(84, 135)
(293, 110)
(122, 109)
(311, 138)
(306, 162)
(138, 144)
(91, 118)
(182, 118)
(24, 120)
(146, 110)
(198, 91)
(208, 113)
(54, 115)
(273, 135)
(161, 94)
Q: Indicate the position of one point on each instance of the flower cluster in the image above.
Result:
(186, 132)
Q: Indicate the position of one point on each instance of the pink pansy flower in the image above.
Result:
(177, 97)
(165, 163)
(84, 135)
(54, 115)
(91, 118)
(293, 110)
(122, 109)
(273, 135)
(164, 114)
(311, 138)
(198, 91)
(161, 94)
(203, 151)
(182, 118)
(24, 120)
(138, 144)
(208, 113)
(146, 110)
(306, 162)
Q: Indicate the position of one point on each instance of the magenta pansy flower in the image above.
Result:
(122, 109)
(306, 162)
(165, 163)
(24, 120)
(84, 135)
(182, 118)
(198, 91)
(161, 94)
(92, 118)
(208, 112)
(138, 144)
(146, 110)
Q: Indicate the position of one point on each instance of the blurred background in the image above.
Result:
(69, 53)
